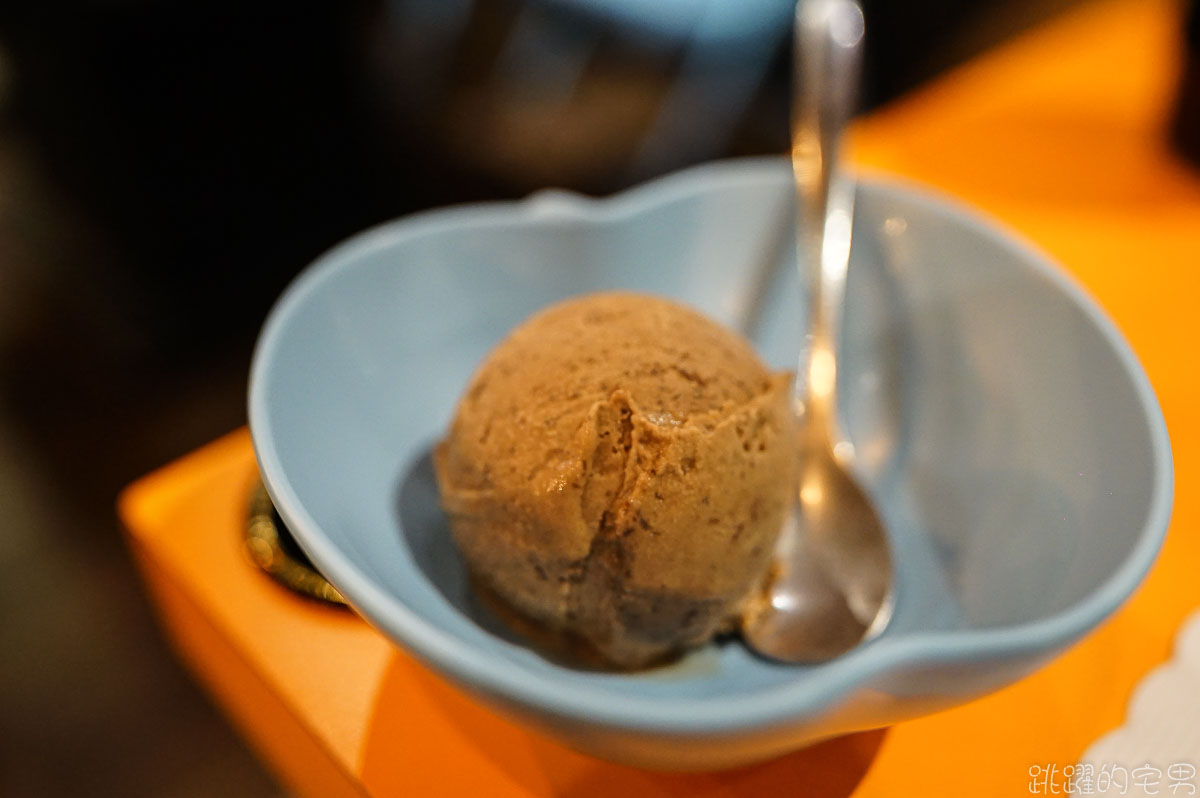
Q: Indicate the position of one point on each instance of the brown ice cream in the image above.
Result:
(617, 473)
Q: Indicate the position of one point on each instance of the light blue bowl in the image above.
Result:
(1002, 424)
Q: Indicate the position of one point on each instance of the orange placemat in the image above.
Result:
(1061, 135)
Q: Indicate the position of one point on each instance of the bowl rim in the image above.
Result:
(820, 690)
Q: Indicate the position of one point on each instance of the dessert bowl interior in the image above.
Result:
(1003, 426)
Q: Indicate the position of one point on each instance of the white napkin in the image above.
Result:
(1157, 750)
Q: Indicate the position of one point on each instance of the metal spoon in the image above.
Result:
(833, 580)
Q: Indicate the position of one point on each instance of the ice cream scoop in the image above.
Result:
(617, 473)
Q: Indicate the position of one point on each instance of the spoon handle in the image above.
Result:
(828, 42)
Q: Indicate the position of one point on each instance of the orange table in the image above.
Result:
(1060, 134)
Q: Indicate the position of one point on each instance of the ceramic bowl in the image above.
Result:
(1001, 423)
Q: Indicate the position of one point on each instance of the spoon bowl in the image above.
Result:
(831, 589)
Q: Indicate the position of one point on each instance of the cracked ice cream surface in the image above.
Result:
(618, 470)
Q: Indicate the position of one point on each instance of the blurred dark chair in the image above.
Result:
(713, 56)
(724, 49)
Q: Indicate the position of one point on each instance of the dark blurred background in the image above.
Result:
(166, 168)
